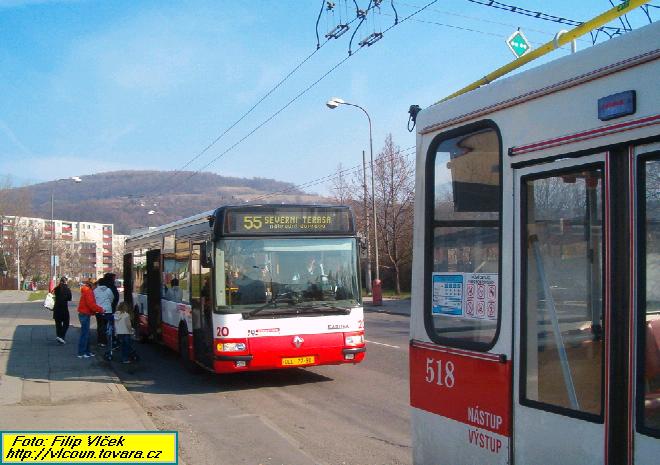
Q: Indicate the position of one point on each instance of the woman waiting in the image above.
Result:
(62, 295)
(86, 308)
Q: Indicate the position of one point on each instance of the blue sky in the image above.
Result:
(89, 86)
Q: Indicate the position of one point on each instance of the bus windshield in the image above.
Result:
(286, 276)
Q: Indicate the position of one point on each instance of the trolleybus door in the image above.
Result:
(153, 293)
(646, 273)
(561, 312)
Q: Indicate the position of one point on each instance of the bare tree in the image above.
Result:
(394, 178)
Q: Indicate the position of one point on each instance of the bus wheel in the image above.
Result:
(187, 363)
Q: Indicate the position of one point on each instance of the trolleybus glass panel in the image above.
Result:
(274, 276)
(650, 261)
(466, 238)
(562, 315)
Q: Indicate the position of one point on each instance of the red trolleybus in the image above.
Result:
(250, 287)
(535, 329)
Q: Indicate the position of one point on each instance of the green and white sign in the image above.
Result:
(518, 44)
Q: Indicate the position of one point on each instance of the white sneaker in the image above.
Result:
(60, 340)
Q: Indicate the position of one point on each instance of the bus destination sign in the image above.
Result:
(305, 220)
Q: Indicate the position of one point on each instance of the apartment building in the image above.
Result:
(91, 245)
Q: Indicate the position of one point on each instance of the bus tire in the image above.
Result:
(187, 363)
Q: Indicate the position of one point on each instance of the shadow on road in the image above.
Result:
(160, 372)
(33, 354)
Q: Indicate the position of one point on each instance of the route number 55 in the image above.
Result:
(441, 373)
(252, 222)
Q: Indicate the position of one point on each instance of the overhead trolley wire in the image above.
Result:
(476, 18)
(609, 30)
(300, 94)
(261, 100)
(330, 177)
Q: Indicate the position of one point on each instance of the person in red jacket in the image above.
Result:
(86, 308)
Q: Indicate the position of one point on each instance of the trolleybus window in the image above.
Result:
(562, 314)
(650, 294)
(466, 239)
(286, 276)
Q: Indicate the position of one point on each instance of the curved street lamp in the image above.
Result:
(333, 103)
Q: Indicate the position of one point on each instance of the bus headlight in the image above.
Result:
(354, 339)
(232, 347)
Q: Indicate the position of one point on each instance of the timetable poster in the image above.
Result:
(447, 294)
(466, 295)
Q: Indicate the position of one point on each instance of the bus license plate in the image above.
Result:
(293, 361)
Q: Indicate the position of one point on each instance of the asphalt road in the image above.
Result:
(354, 415)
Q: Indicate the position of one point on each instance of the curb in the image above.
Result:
(135, 406)
(387, 312)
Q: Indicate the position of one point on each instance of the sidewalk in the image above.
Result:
(14, 297)
(393, 306)
(44, 386)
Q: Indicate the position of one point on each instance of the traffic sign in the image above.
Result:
(518, 44)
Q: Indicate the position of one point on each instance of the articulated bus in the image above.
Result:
(535, 325)
(255, 287)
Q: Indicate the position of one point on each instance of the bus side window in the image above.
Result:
(465, 231)
(649, 249)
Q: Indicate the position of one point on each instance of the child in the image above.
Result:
(124, 330)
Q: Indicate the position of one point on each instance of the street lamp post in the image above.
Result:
(376, 289)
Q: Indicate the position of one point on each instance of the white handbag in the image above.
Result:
(49, 303)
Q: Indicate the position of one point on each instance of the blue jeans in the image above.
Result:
(125, 340)
(83, 342)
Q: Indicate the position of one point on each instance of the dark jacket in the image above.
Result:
(62, 295)
(109, 282)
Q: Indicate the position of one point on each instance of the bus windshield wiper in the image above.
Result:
(326, 306)
(272, 304)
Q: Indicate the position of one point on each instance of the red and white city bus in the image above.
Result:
(535, 327)
(253, 287)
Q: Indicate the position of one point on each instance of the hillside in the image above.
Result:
(125, 197)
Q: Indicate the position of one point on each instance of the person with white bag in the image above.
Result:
(62, 297)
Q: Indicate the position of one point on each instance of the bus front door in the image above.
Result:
(154, 294)
(202, 309)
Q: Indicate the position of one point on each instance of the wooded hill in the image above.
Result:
(124, 198)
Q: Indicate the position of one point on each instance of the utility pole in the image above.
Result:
(366, 219)
(51, 285)
(18, 266)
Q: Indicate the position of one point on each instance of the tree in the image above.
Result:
(394, 178)
(14, 204)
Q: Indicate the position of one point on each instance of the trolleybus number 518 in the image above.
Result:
(435, 372)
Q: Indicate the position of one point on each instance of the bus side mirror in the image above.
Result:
(207, 254)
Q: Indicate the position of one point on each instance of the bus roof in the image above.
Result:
(605, 58)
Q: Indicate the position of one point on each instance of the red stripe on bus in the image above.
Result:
(452, 385)
(586, 135)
